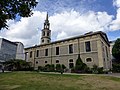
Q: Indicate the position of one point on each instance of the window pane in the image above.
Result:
(37, 55)
(30, 54)
(71, 60)
(45, 61)
(57, 61)
(71, 48)
(46, 52)
(87, 45)
(43, 33)
(57, 50)
(36, 62)
(88, 60)
(106, 51)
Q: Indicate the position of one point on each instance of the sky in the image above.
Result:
(68, 18)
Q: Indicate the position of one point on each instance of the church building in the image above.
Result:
(93, 48)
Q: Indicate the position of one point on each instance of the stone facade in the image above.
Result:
(93, 48)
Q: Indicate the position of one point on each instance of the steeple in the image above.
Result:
(47, 24)
(46, 32)
(47, 17)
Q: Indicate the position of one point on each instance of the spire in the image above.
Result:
(47, 17)
(46, 24)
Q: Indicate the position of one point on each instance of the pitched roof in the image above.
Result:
(103, 35)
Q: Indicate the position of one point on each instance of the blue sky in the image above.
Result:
(67, 18)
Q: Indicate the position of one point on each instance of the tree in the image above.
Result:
(116, 50)
(17, 64)
(58, 67)
(80, 66)
(9, 9)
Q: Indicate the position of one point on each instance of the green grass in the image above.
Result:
(40, 81)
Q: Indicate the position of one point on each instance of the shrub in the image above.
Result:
(97, 70)
(116, 67)
(80, 67)
(63, 66)
(47, 67)
(58, 67)
(40, 68)
(52, 67)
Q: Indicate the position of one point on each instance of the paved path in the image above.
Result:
(110, 74)
(113, 74)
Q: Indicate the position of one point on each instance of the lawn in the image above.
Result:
(40, 81)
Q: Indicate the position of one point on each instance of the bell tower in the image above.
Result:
(46, 32)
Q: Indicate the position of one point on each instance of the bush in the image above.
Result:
(52, 67)
(97, 70)
(40, 68)
(58, 67)
(80, 67)
(116, 67)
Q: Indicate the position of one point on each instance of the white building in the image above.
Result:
(20, 51)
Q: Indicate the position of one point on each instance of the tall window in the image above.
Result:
(43, 33)
(47, 33)
(57, 50)
(46, 52)
(106, 51)
(43, 40)
(87, 45)
(30, 54)
(37, 53)
(71, 48)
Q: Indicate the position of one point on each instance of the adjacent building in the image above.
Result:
(20, 51)
(7, 50)
(93, 48)
(111, 46)
(10, 50)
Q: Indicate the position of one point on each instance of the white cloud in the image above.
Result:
(73, 23)
(26, 30)
(115, 25)
(63, 25)
(116, 3)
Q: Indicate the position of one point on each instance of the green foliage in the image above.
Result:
(116, 50)
(97, 70)
(63, 66)
(17, 65)
(9, 9)
(80, 66)
(51, 68)
(116, 67)
(47, 67)
(40, 68)
(58, 67)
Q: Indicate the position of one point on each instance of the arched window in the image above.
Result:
(88, 60)
(47, 33)
(71, 60)
(45, 61)
(57, 61)
(43, 40)
(36, 62)
(43, 33)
